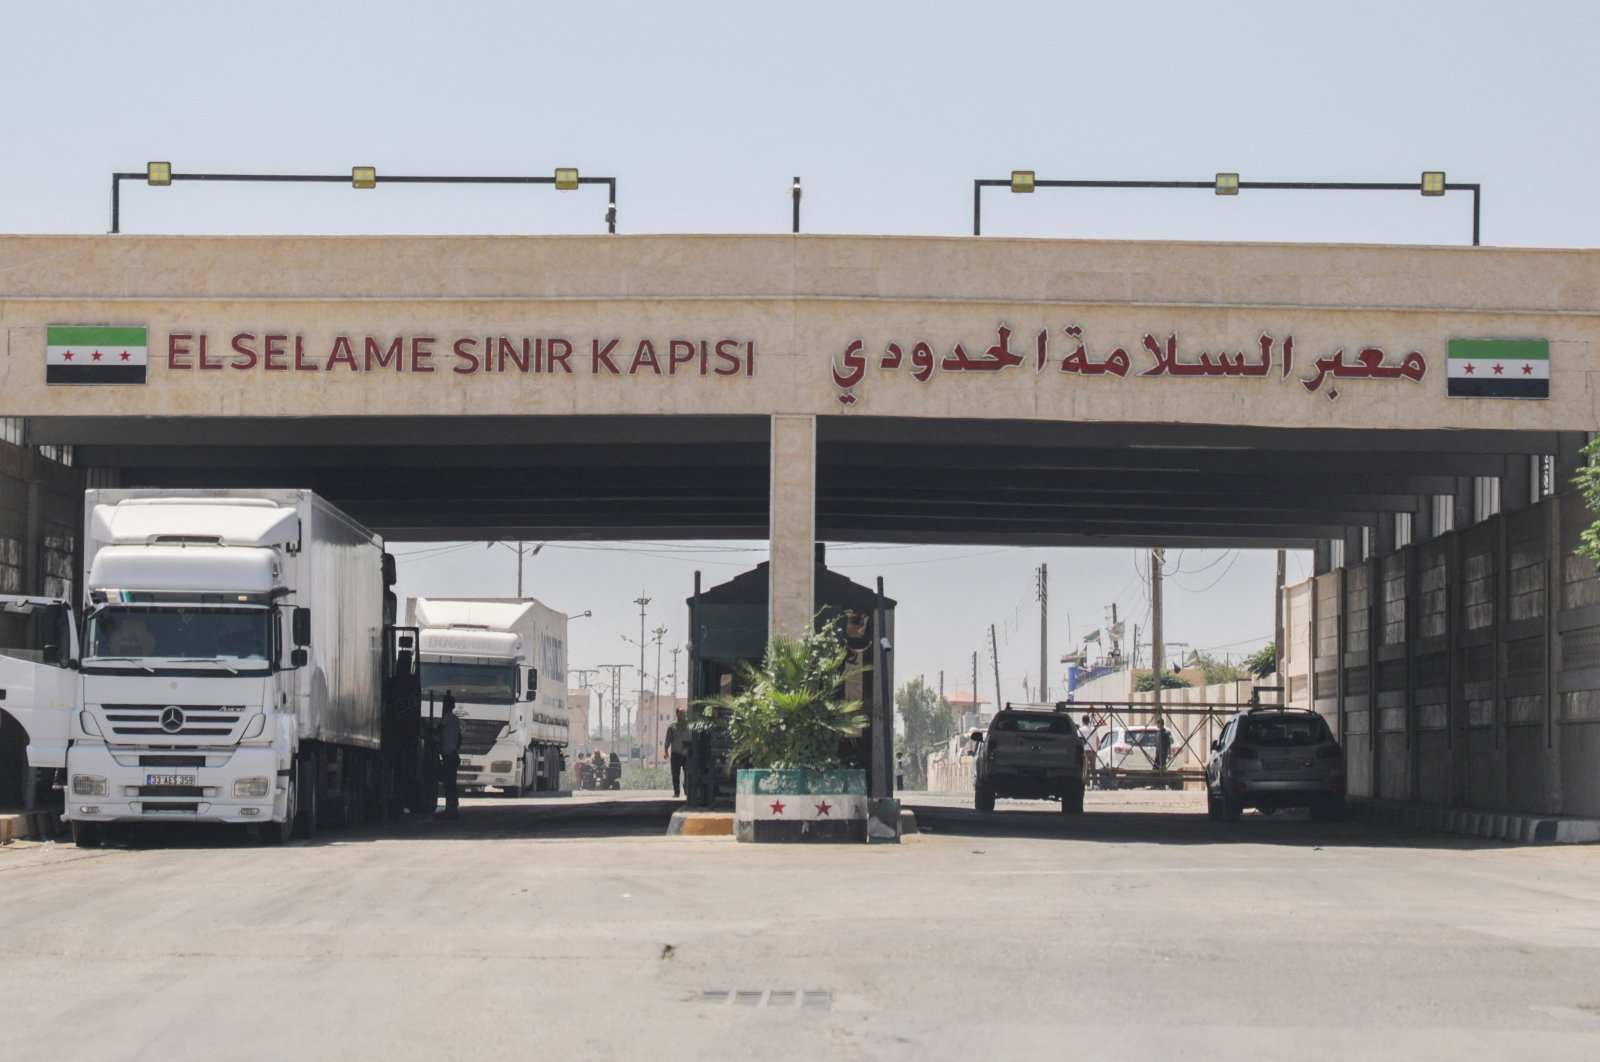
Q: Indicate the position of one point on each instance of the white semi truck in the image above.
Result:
(505, 662)
(240, 664)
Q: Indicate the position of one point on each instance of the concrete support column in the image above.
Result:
(1322, 558)
(791, 593)
(1569, 458)
(1422, 528)
(1383, 535)
(1463, 503)
(1516, 486)
(1352, 546)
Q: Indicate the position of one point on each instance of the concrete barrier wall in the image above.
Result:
(1463, 671)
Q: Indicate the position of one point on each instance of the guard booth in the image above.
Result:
(728, 625)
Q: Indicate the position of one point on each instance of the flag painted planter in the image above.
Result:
(801, 806)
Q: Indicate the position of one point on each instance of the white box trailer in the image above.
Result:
(505, 662)
(239, 665)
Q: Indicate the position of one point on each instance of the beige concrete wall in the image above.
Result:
(801, 302)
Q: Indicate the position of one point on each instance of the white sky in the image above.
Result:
(705, 111)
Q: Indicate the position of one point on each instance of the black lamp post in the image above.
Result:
(160, 175)
(1432, 184)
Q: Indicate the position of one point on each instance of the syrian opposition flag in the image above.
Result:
(1499, 368)
(80, 354)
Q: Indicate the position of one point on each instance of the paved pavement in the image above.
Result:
(574, 928)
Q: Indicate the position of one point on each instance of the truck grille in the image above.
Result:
(479, 735)
(172, 720)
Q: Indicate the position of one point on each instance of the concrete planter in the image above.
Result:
(801, 806)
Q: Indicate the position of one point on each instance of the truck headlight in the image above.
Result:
(252, 788)
(500, 767)
(88, 785)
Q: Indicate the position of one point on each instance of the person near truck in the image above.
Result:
(677, 750)
(450, 754)
(1163, 744)
(1087, 733)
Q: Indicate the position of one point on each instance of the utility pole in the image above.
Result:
(975, 684)
(1277, 612)
(1044, 633)
(1116, 642)
(616, 701)
(994, 649)
(675, 650)
(583, 674)
(1157, 649)
(641, 601)
(655, 698)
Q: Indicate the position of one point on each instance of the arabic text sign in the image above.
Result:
(1367, 363)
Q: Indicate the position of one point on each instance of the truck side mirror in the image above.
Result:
(52, 654)
(531, 688)
(297, 658)
(302, 627)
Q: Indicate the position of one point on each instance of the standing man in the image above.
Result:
(677, 750)
(1087, 733)
(1163, 744)
(449, 753)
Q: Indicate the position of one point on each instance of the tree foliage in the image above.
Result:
(787, 712)
(1263, 661)
(1588, 483)
(929, 722)
(1145, 682)
(1214, 668)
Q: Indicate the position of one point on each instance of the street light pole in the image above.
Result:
(641, 601)
(655, 697)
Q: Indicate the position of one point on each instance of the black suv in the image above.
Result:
(1271, 758)
(1031, 752)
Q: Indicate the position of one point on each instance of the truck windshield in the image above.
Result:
(478, 683)
(199, 633)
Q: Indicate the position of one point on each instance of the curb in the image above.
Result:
(701, 824)
(1511, 827)
(28, 825)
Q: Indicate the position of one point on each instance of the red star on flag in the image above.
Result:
(823, 807)
(777, 807)
(1470, 369)
(1527, 370)
(126, 356)
(95, 356)
(1498, 369)
(67, 356)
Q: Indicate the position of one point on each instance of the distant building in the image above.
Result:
(969, 710)
(651, 721)
(579, 703)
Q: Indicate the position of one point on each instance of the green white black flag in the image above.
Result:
(1499, 368)
(83, 354)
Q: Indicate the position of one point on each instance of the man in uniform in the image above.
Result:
(449, 754)
(677, 750)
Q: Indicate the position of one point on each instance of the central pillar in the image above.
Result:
(791, 591)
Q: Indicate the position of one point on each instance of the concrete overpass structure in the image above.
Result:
(908, 390)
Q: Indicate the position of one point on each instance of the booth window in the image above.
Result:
(59, 546)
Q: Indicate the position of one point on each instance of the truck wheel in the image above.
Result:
(276, 834)
(1072, 803)
(984, 798)
(1230, 808)
(86, 834)
(1213, 806)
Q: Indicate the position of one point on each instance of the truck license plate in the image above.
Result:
(169, 779)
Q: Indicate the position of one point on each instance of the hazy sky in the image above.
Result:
(705, 111)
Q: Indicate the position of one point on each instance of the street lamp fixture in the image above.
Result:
(794, 193)
(160, 175)
(1432, 184)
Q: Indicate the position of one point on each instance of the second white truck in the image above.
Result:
(505, 662)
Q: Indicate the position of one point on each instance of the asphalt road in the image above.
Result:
(573, 928)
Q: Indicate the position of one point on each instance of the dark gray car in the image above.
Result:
(1272, 758)
(1034, 755)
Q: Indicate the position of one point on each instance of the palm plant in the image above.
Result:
(788, 713)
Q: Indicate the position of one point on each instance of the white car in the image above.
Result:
(1133, 748)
